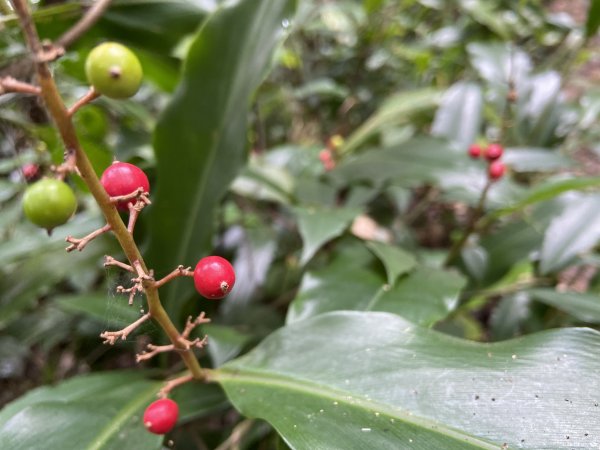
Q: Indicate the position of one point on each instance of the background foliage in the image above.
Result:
(348, 327)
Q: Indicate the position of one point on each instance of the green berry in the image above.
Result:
(113, 70)
(49, 203)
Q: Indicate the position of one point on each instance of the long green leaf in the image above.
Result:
(200, 140)
(92, 412)
(574, 231)
(593, 19)
(349, 282)
(394, 111)
(585, 307)
(351, 380)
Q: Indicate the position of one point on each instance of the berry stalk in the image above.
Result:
(60, 114)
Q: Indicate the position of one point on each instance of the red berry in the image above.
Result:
(493, 152)
(160, 416)
(30, 171)
(122, 179)
(474, 151)
(496, 170)
(214, 277)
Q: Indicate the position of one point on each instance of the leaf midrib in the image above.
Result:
(115, 424)
(268, 380)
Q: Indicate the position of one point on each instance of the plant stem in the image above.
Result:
(471, 226)
(58, 111)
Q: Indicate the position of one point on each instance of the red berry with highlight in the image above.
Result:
(160, 416)
(496, 170)
(122, 179)
(214, 277)
(493, 152)
(475, 151)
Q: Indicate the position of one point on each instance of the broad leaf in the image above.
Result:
(585, 307)
(200, 140)
(593, 19)
(92, 412)
(548, 190)
(459, 116)
(394, 111)
(575, 230)
(372, 380)
(104, 308)
(320, 226)
(351, 281)
(395, 260)
(525, 159)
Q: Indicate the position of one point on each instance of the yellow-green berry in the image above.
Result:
(113, 70)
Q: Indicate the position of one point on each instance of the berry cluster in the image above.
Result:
(114, 71)
(492, 154)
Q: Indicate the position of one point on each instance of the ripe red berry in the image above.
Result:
(160, 416)
(122, 179)
(493, 152)
(496, 170)
(214, 277)
(475, 151)
(30, 171)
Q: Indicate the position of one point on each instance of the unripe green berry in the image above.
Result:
(113, 70)
(49, 203)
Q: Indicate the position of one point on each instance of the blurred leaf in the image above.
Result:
(100, 411)
(507, 318)
(548, 190)
(318, 226)
(413, 162)
(200, 138)
(459, 116)
(497, 63)
(575, 230)
(327, 375)
(509, 245)
(593, 18)
(585, 307)
(95, 306)
(198, 400)
(395, 110)
(525, 159)
(351, 282)
(395, 260)
(424, 296)
(156, 25)
(484, 12)
(225, 342)
(538, 109)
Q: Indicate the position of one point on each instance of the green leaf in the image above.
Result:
(459, 116)
(350, 281)
(91, 412)
(593, 19)
(96, 306)
(585, 307)
(395, 260)
(413, 162)
(198, 400)
(423, 297)
(525, 159)
(200, 139)
(484, 12)
(546, 191)
(574, 231)
(225, 342)
(318, 226)
(395, 110)
(372, 380)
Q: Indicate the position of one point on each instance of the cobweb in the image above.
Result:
(118, 313)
